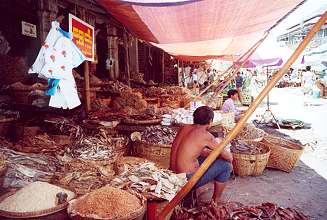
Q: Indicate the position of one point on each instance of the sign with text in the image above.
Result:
(28, 29)
(83, 36)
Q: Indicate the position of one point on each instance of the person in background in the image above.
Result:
(308, 80)
(229, 105)
(192, 144)
(239, 84)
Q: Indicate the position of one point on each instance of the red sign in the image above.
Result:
(83, 36)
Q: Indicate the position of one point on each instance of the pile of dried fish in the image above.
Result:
(25, 168)
(65, 126)
(250, 132)
(41, 143)
(154, 91)
(150, 181)
(114, 87)
(242, 147)
(83, 176)
(234, 211)
(98, 147)
(138, 77)
(130, 102)
(176, 90)
(159, 135)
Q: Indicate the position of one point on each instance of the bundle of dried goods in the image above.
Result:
(242, 147)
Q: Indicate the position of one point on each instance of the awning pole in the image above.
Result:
(249, 52)
(215, 153)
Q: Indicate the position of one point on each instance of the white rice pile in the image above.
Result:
(36, 196)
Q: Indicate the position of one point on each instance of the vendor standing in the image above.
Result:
(192, 145)
(308, 80)
(229, 104)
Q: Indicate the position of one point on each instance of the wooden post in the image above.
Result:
(127, 58)
(87, 86)
(163, 66)
(215, 153)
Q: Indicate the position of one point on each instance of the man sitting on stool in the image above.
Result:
(192, 145)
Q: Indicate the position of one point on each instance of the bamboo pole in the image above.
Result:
(249, 51)
(163, 66)
(215, 153)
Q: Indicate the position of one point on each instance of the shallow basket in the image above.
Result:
(284, 153)
(137, 215)
(251, 165)
(158, 153)
(259, 134)
(35, 214)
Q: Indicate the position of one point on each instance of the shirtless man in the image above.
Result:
(190, 147)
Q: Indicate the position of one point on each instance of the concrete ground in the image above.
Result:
(305, 188)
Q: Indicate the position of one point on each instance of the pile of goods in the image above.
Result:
(138, 77)
(154, 91)
(249, 148)
(150, 181)
(115, 87)
(84, 176)
(235, 211)
(63, 126)
(7, 114)
(41, 143)
(182, 116)
(107, 203)
(159, 135)
(176, 90)
(23, 168)
(291, 123)
(37, 196)
(250, 132)
(98, 147)
(130, 102)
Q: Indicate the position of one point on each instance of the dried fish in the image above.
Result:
(235, 211)
(242, 147)
(159, 134)
(149, 180)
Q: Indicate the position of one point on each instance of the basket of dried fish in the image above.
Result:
(249, 158)
(108, 203)
(215, 102)
(124, 164)
(155, 144)
(251, 133)
(150, 180)
(284, 153)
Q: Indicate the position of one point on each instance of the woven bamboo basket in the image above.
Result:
(28, 215)
(250, 133)
(284, 153)
(216, 102)
(137, 215)
(158, 153)
(251, 165)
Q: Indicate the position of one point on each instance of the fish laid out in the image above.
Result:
(159, 135)
(149, 180)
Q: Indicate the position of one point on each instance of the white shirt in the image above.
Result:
(308, 78)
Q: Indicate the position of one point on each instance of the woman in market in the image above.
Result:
(190, 148)
(229, 104)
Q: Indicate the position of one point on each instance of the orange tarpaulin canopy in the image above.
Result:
(196, 30)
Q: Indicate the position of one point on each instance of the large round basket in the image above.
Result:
(158, 153)
(284, 153)
(251, 165)
(24, 215)
(251, 133)
(137, 215)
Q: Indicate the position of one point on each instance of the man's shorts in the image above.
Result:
(219, 171)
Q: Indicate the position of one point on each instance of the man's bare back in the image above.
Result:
(191, 145)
